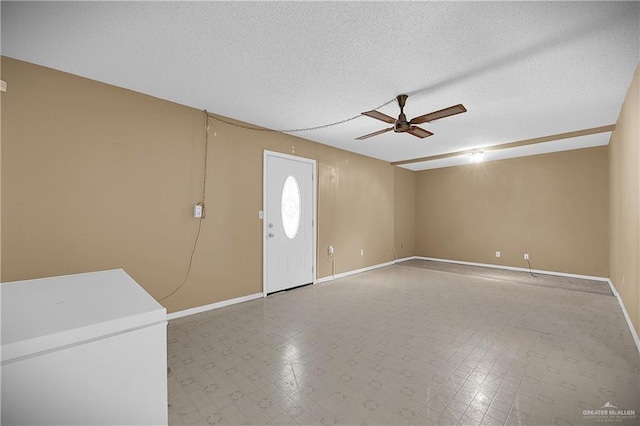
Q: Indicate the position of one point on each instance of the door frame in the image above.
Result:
(314, 215)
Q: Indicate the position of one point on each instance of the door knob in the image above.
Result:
(271, 225)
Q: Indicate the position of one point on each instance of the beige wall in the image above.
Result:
(97, 177)
(404, 195)
(553, 207)
(355, 211)
(624, 179)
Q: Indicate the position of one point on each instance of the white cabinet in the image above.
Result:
(85, 349)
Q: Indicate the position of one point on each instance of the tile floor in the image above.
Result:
(398, 346)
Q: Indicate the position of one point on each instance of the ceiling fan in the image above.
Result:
(401, 125)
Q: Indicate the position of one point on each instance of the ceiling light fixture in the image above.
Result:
(477, 156)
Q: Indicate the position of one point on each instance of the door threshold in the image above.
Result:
(289, 289)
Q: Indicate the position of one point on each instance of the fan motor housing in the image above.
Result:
(401, 124)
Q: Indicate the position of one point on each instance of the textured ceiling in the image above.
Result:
(523, 70)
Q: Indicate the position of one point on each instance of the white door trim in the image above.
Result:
(314, 201)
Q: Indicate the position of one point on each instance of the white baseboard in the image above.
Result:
(634, 334)
(515, 268)
(355, 271)
(404, 259)
(212, 306)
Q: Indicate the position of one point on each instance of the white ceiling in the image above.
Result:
(523, 70)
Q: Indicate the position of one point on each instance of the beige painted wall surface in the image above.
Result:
(624, 172)
(553, 207)
(355, 211)
(404, 217)
(97, 177)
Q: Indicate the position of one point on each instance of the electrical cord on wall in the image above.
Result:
(206, 160)
(333, 265)
(303, 129)
(529, 263)
(201, 203)
(186, 277)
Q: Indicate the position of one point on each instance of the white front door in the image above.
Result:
(289, 229)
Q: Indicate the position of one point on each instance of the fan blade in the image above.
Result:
(380, 116)
(419, 132)
(436, 115)
(379, 132)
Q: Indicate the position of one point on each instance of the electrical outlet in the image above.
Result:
(526, 256)
(197, 210)
(362, 252)
(497, 254)
(330, 250)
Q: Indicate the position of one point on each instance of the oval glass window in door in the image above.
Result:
(291, 207)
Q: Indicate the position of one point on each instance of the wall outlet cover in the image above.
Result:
(197, 211)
